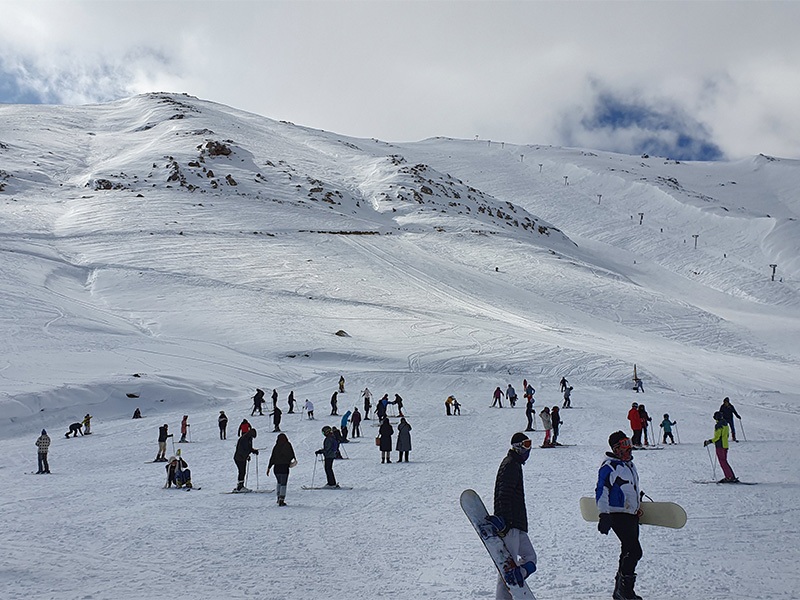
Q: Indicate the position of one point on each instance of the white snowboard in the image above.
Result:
(662, 514)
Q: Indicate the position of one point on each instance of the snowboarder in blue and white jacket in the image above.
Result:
(618, 502)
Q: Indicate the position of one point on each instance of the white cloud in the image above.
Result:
(409, 70)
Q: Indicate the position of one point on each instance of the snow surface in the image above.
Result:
(453, 266)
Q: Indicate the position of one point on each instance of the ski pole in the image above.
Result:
(344, 452)
(172, 437)
(314, 471)
(713, 465)
(256, 471)
(246, 471)
(744, 436)
(677, 435)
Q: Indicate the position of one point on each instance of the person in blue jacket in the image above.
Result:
(345, 421)
(618, 502)
(729, 411)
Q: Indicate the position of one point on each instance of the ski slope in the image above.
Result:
(187, 253)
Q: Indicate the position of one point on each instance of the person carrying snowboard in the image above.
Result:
(163, 434)
(74, 430)
(720, 441)
(258, 403)
(43, 445)
(328, 451)
(244, 448)
(636, 424)
(222, 421)
(666, 425)
(728, 411)
(510, 517)
(511, 394)
(618, 501)
(282, 459)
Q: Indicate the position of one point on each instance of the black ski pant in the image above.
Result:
(43, 466)
(636, 440)
(668, 434)
(529, 415)
(241, 464)
(223, 434)
(329, 471)
(626, 527)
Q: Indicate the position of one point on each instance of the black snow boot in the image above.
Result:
(624, 589)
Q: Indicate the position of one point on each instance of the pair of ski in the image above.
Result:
(663, 514)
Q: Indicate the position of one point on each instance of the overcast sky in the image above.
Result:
(704, 80)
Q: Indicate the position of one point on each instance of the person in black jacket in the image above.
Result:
(511, 516)
(244, 448)
(728, 411)
(163, 434)
(258, 403)
(386, 431)
(282, 459)
(222, 420)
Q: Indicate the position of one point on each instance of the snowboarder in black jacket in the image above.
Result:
(511, 516)
(244, 448)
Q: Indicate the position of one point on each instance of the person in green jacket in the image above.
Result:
(720, 441)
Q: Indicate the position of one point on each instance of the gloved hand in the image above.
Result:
(517, 575)
(498, 523)
(604, 526)
(255, 451)
(318, 452)
(706, 443)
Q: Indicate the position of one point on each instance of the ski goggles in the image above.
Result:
(523, 445)
(623, 444)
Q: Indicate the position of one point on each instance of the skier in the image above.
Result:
(309, 408)
(385, 433)
(222, 420)
(137, 414)
(728, 411)
(547, 423)
(290, 400)
(456, 406)
(178, 473)
(398, 401)
(511, 394)
(555, 416)
(282, 458)
(87, 424)
(497, 397)
(341, 384)
(356, 421)
(74, 429)
(380, 410)
(276, 418)
(258, 403)
(529, 391)
(244, 427)
(43, 444)
(184, 428)
(510, 516)
(403, 440)
(636, 424)
(666, 425)
(163, 434)
(328, 452)
(337, 435)
(646, 420)
(344, 421)
(274, 398)
(367, 402)
(639, 385)
(720, 441)
(563, 384)
(529, 412)
(567, 398)
(447, 404)
(244, 448)
(335, 404)
(618, 497)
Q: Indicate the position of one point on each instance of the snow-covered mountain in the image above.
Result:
(172, 253)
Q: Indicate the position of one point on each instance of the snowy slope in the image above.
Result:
(187, 252)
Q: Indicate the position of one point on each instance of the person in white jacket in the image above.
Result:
(618, 502)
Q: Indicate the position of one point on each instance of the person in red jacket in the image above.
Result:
(636, 424)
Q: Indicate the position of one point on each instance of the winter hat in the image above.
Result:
(718, 416)
(616, 437)
(635, 405)
(44, 432)
(518, 438)
(326, 430)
